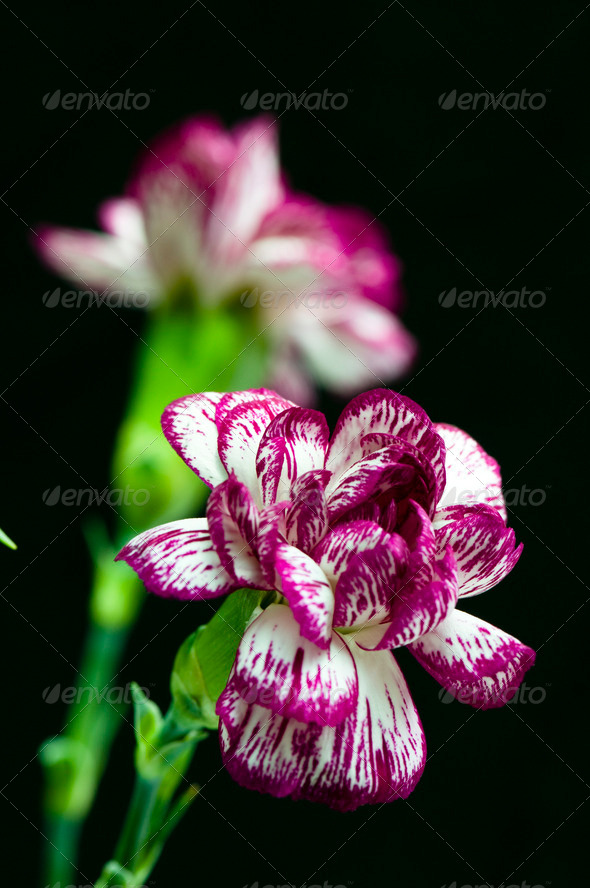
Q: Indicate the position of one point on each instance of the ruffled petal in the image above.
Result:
(293, 443)
(233, 525)
(382, 410)
(240, 434)
(414, 612)
(190, 427)
(375, 755)
(483, 546)
(347, 346)
(391, 471)
(308, 591)
(306, 520)
(278, 669)
(101, 262)
(178, 560)
(476, 662)
(473, 476)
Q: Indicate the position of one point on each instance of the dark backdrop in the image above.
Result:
(472, 200)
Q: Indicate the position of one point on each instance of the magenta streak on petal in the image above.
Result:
(376, 755)
(308, 591)
(389, 472)
(178, 560)
(293, 443)
(473, 476)
(483, 547)
(476, 662)
(307, 517)
(414, 612)
(240, 434)
(415, 527)
(382, 410)
(233, 525)
(272, 532)
(366, 589)
(189, 426)
(231, 400)
(278, 669)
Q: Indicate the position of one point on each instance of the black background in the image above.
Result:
(471, 200)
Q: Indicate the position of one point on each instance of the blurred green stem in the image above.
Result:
(183, 351)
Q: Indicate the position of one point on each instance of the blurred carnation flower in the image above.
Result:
(209, 209)
(348, 534)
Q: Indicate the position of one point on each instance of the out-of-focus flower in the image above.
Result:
(209, 209)
(348, 534)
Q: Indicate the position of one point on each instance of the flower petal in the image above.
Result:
(483, 546)
(375, 755)
(306, 520)
(308, 591)
(382, 410)
(98, 261)
(392, 471)
(233, 525)
(347, 346)
(190, 427)
(473, 476)
(278, 669)
(293, 443)
(178, 560)
(415, 611)
(476, 662)
(240, 433)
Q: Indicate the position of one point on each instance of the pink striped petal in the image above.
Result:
(308, 591)
(96, 261)
(233, 525)
(483, 546)
(178, 560)
(231, 400)
(293, 443)
(307, 518)
(382, 410)
(278, 669)
(472, 475)
(391, 471)
(190, 427)
(240, 434)
(476, 662)
(415, 611)
(376, 755)
(366, 590)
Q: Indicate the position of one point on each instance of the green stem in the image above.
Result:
(155, 808)
(184, 350)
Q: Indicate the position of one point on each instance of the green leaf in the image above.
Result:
(4, 538)
(205, 659)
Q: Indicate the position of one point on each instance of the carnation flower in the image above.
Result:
(208, 209)
(347, 536)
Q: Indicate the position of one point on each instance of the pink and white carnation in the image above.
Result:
(209, 208)
(347, 535)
